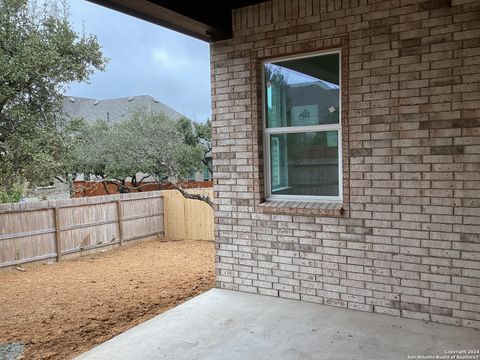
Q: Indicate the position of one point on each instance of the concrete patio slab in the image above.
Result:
(228, 325)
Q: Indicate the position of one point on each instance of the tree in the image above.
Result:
(197, 134)
(40, 54)
(145, 143)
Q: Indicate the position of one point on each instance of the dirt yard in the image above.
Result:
(61, 310)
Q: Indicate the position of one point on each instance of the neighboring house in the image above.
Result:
(113, 111)
(52, 190)
(116, 110)
(374, 208)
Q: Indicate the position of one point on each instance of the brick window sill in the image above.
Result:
(334, 209)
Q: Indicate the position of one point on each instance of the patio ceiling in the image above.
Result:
(208, 21)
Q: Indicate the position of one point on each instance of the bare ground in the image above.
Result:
(61, 310)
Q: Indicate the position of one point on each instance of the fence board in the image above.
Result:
(146, 226)
(35, 231)
(120, 222)
(44, 230)
(58, 233)
(188, 219)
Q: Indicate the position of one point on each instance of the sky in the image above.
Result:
(145, 59)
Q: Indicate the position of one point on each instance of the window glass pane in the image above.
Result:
(304, 163)
(302, 92)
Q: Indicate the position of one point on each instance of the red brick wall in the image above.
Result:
(407, 241)
(92, 188)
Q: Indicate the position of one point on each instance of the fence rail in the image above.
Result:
(53, 229)
(47, 230)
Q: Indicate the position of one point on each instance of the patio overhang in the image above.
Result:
(205, 21)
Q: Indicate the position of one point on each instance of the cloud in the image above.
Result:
(169, 61)
(145, 59)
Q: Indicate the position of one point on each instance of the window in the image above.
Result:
(302, 127)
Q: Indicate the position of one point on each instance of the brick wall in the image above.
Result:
(406, 240)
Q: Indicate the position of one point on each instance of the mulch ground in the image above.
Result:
(61, 310)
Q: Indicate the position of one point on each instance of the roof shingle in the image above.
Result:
(114, 110)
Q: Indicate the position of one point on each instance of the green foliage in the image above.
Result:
(39, 55)
(87, 151)
(145, 143)
(12, 195)
(203, 132)
(197, 135)
(186, 127)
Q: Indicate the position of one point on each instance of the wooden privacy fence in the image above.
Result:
(53, 229)
(188, 219)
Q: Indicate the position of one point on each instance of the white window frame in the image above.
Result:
(301, 129)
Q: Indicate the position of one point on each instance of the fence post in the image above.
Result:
(58, 238)
(186, 220)
(165, 214)
(120, 221)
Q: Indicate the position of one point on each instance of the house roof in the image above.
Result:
(209, 21)
(114, 110)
